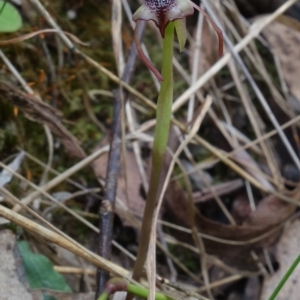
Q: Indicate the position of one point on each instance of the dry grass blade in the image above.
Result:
(117, 35)
(191, 105)
(68, 173)
(261, 98)
(70, 211)
(39, 32)
(255, 30)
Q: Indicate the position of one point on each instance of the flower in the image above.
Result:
(162, 12)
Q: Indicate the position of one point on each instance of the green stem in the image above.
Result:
(163, 117)
(134, 289)
(143, 292)
(103, 296)
(285, 278)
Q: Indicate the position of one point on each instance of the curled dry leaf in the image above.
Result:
(42, 113)
(270, 213)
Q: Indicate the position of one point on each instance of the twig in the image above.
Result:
(107, 205)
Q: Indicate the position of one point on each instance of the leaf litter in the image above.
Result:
(237, 249)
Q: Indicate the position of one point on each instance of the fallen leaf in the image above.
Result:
(129, 187)
(285, 42)
(41, 112)
(270, 212)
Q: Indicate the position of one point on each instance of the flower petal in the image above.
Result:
(179, 10)
(145, 13)
(142, 55)
(163, 11)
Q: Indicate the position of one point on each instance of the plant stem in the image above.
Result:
(117, 284)
(163, 117)
(103, 296)
(143, 292)
(285, 278)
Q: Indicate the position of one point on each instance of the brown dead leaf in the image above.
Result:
(129, 185)
(270, 213)
(285, 42)
(42, 113)
(259, 222)
(287, 251)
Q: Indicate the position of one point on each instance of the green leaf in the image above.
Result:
(10, 19)
(40, 272)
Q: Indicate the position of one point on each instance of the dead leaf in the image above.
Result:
(285, 42)
(270, 213)
(42, 113)
(287, 251)
(129, 186)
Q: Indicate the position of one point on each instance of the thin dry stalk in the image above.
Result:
(255, 30)
(189, 137)
(58, 238)
(63, 176)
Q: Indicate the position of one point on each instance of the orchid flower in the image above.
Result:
(168, 15)
(162, 12)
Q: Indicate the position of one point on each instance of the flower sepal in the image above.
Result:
(180, 27)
